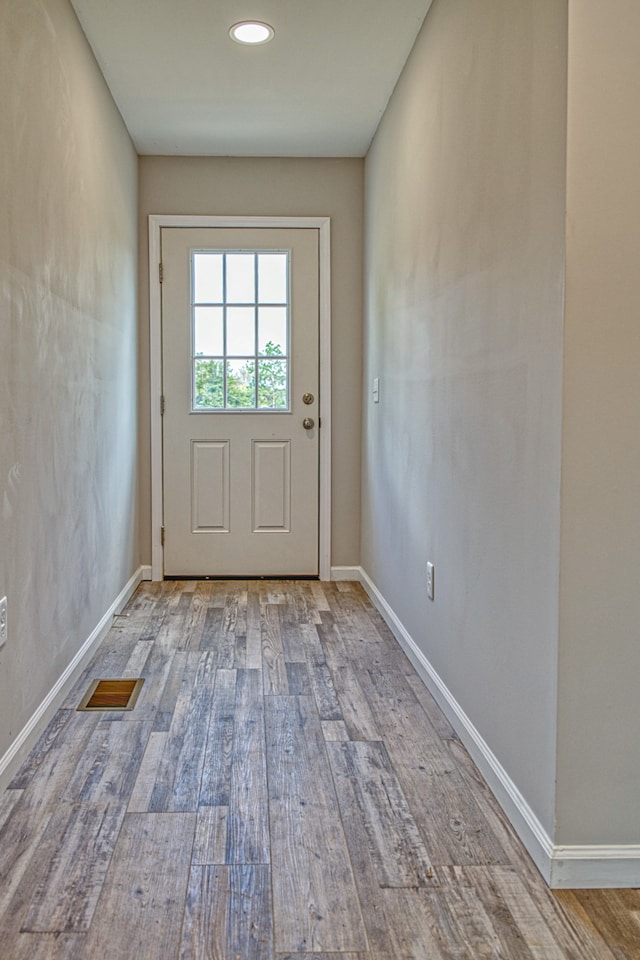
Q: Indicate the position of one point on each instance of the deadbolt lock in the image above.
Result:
(308, 398)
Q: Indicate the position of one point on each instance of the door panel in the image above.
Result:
(271, 492)
(210, 486)
(240, 484)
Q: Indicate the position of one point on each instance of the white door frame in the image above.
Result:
(323, 226)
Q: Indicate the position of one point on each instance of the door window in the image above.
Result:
(240, 330)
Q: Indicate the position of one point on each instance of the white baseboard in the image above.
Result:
(595, 866)
(28, 736)
(563, 867)
(346, 573)
(146, 572)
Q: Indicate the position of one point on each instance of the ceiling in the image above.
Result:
(317, 89)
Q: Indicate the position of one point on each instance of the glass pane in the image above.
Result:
(241, 383)
(207, 336)
(241, 284)
(272, 277)
(207, 278)
(272, 384)
(241, 332)
(208, 390)
(272, 331)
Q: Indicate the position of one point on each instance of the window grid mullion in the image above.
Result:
(224, 330)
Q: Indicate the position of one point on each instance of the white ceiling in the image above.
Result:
(318, 89)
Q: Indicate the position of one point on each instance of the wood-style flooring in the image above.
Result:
(285, 789)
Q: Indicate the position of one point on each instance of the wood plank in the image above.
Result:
(233, 623)
(30, 766)
(145, 782)
(228, 914)
(298, 679)
(248, 835)
(49, 946)
(215, 787)
(451, 923)
(293, 635)
(354, 706)
(157, 614)
(273, 664)
(441, 726)
(334, 730)
(316, 905)
(161, 698)
(322, 679)
(323, 956)
(253, 629)
(383, 924)
(177, 786)
(212, 629)
(109, 765)
(210, 844)
(20, 838)
(515, 852)
(58, 764)
(319, 595)
(540, 920)
(197, 613)
(72, 857)
(452, 824)
(593, 924)
(140, 911)
(8, 800)
(364, 777)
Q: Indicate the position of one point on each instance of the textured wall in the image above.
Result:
(276, 187)
(598, 740)
(68, 352)
(464, 209)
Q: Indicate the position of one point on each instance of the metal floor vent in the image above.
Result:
(111, 695)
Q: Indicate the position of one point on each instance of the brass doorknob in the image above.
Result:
(308, 423)
(307, 398)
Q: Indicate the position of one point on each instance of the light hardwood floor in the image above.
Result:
(285, 789)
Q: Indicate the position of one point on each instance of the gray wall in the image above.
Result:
(464, 209)
(68, 350)
(276, 187)
(599, 736)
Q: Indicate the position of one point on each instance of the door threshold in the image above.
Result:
(244, 576)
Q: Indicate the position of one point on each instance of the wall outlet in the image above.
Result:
(430, 581)
(3, 621)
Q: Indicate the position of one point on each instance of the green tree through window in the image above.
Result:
(272, 382)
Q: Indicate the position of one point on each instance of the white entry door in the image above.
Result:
(240, 371)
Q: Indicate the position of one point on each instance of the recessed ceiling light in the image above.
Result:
(251, 31)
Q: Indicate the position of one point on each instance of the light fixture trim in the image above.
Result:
(252, 32)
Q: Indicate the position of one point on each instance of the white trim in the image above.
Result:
(145, 572)
(561, 866)
(346, 573)
(323, 225)
(28, 736)
(595, 866)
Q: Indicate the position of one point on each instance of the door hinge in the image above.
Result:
(162, 406)
(161, 272)
(162, 536)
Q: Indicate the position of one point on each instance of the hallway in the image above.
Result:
(285, 788)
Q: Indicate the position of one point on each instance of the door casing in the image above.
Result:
(323, 225)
